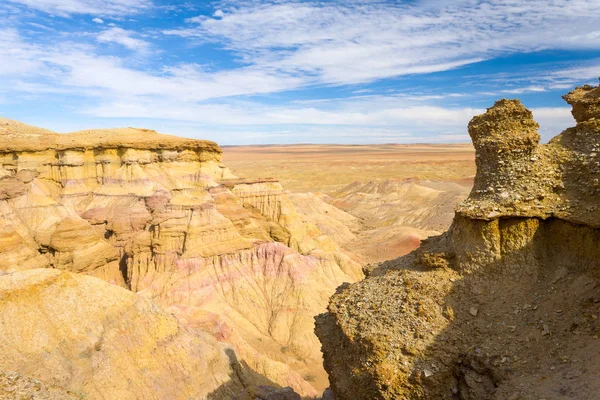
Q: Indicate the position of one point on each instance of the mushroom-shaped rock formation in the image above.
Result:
(506, 144)
(504, 304)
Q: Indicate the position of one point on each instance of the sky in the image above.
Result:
(277, 72)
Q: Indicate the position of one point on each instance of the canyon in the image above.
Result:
(237, 270)
(135, 264)
(376, 201)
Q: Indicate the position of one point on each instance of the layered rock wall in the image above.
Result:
(163, 217)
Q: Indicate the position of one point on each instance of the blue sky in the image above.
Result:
(243, 72)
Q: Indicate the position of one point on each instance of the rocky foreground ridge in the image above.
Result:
(506, 304)
(238, 271)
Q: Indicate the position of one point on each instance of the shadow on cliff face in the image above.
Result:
(523, 325)
(247, 384)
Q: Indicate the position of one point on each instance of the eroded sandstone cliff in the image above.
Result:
(163, 217)
(504, 305)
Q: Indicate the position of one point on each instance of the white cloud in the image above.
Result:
(98, 20)
(369, 118)
(78, 67)
(101, 7)
(248, 113)
(356, 120)
(40, 26)
(589, 72)
(528, 89)
(297, 45)
(122, 37)
(18, 57)
(553, 120)
(364, 41)
(545, 77)
(299, 48)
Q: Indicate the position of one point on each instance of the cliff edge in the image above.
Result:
(163, 217)
(505, 304)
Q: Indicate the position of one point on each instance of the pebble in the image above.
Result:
(546, 330)
(493, 214)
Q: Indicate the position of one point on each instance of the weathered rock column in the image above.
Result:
(506, 145)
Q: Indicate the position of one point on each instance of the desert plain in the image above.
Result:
(385, 198)
(328, 168)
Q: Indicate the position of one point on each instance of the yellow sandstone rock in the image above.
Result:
(475, 313)
(162, 216)
(100, 341)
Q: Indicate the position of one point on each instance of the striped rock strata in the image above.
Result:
(163, 217)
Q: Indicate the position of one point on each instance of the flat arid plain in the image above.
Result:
(391, 195)
(328, 168)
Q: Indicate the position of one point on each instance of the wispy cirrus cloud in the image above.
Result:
(527, 89)
(123, 37)
(308, 66)
(588, 71)
(284, 46)
(79, 67)
(341, 43)
(546, 77)
(100, 7)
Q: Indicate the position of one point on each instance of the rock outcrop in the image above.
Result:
(505, 304)
(163, 217)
